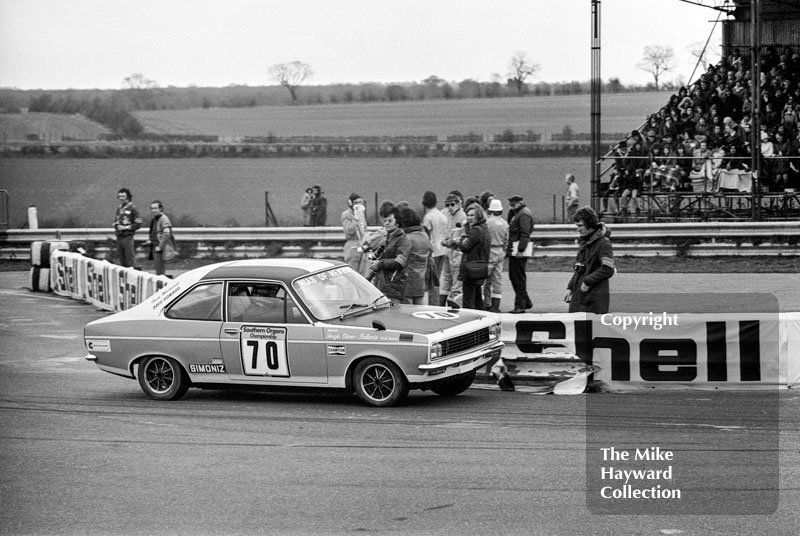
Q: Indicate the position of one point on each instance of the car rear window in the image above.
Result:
(203, 302)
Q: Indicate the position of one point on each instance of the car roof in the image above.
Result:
(286, 270)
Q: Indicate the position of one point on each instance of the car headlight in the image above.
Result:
(436, 350)
(494, 332)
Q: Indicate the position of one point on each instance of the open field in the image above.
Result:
(46, 127)
(214, 191)
(620, 113)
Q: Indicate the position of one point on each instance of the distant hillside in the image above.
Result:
(48, 127)
(541, 115)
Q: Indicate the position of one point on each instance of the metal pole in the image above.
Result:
(597, 83)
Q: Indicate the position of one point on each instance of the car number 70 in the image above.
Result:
(263, 351)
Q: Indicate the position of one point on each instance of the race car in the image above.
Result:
(300, 323)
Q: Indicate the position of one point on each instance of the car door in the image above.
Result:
(266, 338)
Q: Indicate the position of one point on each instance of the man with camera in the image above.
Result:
(588, 291)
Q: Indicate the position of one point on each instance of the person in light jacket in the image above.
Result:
(354, 225)
(160, 235)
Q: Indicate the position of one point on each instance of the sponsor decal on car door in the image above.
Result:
(274, 353)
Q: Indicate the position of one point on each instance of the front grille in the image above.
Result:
(462, 343)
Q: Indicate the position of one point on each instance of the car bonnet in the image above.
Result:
(410, 318)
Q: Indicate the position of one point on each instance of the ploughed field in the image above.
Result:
(542, 115)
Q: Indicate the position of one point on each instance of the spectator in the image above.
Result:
(474, 246)
(126, 222)
(319, 208)
(388, 272)
(418, 257)
(588, 291)
(519, 234)
(160, 236)
(435, 224)
(305, 206)
(573, 196)
(498, 238)
(449, 285)
(631, 186)
(354, 225)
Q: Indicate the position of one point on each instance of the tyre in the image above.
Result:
(379, 382)
(455, 385)
(162, 378)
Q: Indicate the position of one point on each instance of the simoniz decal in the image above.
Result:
(207, 369)
(337, 349)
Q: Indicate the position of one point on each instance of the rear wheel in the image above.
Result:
(455, 385)
(162, 378)
(379, 382)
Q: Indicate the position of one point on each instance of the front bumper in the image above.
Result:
(463, 363)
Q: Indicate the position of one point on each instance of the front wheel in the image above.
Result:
(162, 378)
(455, 385)
(378, 382)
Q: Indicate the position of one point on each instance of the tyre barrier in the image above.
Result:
(40, 260)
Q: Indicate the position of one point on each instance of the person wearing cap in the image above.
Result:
(450, 288)
(498, 237)
(354, 225)
(519, 234)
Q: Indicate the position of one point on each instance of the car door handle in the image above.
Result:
(232, 331)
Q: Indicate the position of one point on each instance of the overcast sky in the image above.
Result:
(55, 44)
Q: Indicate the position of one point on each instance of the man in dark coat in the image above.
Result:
(588, 290)
(388, 273)
(520, 227)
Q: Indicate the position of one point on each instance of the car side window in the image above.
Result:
(264, 303)
(203, 302)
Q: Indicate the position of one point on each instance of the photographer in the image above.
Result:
(588, 291)
(354, 225)
(388, 273)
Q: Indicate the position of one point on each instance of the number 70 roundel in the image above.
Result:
(263, 351)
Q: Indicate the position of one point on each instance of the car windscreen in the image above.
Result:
(327, 294)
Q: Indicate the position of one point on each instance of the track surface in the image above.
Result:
(84, 452)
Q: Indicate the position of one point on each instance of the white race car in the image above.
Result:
(299, 323)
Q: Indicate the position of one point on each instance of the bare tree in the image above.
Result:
(291, 75)
(520, 68)
(140, 90)
(656, 60)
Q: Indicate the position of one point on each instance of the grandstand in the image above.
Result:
(718, 149)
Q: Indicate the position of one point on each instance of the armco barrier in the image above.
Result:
(636, 239)
(751, 350)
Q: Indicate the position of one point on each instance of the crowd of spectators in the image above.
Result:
(704, 133)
